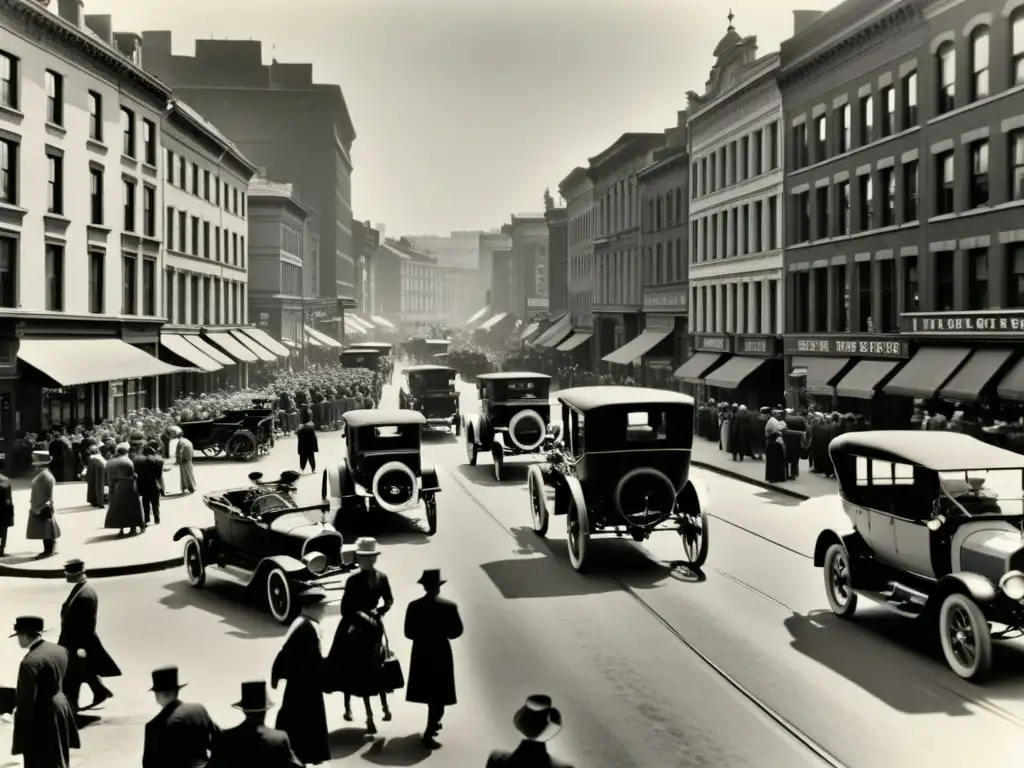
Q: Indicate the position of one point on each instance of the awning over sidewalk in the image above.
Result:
(556, 334)
(636, 348)
(579, 338)
(529, 330)
(323, 338)
(493, 321)
(1011, 386)
(478, 316)
(696, 367)
(734, 372)
(87, 361)
(970, 380)
(382, 323)
(177, 345)
(927, 371)
(208, 349)
(232, 346)
(862, 380)
(257, 349)
(267, 341)
(355, 321)
(821, 372)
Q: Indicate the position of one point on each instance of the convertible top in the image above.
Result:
(938, 451)
(427, 368)
(371, 417)
(604, 396)
(512, 376)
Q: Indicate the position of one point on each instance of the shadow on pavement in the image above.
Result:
(483, 473)
(390, 527)
(105, 536)
(439, 437)
(779, 499)
(405, 750)
(26, 557)
(236, 606)
(347, 741)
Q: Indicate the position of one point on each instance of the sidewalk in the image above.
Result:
(808, 485)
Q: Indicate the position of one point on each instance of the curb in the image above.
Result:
(749, 480)
(13, 572)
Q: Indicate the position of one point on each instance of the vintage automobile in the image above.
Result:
(263, 539)
(386, 364)
(514, 418)
(622, 470)
(937, 534)
(360, 357)
(383, 470)
(430, 389)
(241, 435)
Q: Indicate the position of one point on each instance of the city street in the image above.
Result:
(649, 668)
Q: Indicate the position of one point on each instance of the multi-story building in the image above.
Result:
(459, 249)
(578, 192)
(457, 293)
(487, 244)
(736, 258)
(294, 129)
(528, 234)
(558, 260)
(366, 242)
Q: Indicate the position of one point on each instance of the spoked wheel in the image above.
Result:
(966, 637)
(430, 505)
(279, 597)
(577, 536)
(213, 451)
(538, 504)
(195, 570)
(472, 449)
(838, 582)
(693, 532)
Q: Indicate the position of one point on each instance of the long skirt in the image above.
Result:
(775, 461)
(355, 663)
(125, 510)
(188, 476)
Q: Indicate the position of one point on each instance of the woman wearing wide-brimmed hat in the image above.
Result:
(356, 659)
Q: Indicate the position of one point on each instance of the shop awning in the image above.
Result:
(86, 361)
(257, 349)
(177, 345)
(927, 371)
(208, 349)
(381, 322)
(734, 371)
(478, 316)
(638, 347)
(1011, 386)
(695, 368)
(266, 341)
(290, 343)
(980, 369)
(322, 338)
(357, 323)
(556, 334)
(493, 321)
(529, 330)
(820, 372)
(576, 340)
(353, 328)
(862, 380)
(232, 346)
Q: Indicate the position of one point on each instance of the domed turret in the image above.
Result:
(730, 39)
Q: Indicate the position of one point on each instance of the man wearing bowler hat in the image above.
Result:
(44, 723)
(252, 743)
(539, 722)
(182, 734)
(89, 659)
(432, 622)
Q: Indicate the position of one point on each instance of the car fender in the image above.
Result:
(977, 586)
(850, 539)
(694, 492)
(192, 532)
(498, 441)
(339, 482)
(290, 565)
(575, 490)
(428, 481)
(471, 423)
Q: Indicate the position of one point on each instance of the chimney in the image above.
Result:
(70, 11)
(803, 19)
(102, 26)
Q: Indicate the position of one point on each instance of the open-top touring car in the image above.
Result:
(622, 470)
(937, 521)
(430, 390)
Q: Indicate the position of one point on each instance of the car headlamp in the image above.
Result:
(1012, 585)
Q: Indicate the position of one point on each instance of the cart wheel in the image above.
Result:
(838, 582)
(538, 504)
(498, 459)
(577, 536)
(472, 449)
(430, 503)
(195, 569)
(965, 636)
(279, 597)
(694, 534)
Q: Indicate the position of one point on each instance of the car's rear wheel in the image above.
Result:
(472, 449)
(693, 532)
(430, 506)
(538, 504)
(280, 600)
(839, 582)
(578, 535)
(195, 569)
(965, 636)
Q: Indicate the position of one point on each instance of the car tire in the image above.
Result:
(538, 503)
(694, 537)
(195, 568)
(498, 460)
(965, 637)
(430, 506)
(577, 535)
(472, 449)
(280, 601)
(838, 582)
(242, 445)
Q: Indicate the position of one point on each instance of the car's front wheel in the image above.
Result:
(965, 636)
(195, 569)
(280, 600)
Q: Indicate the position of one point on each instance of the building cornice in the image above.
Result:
(191, 121)
(572, 183)
(676, 160)
(627, 147)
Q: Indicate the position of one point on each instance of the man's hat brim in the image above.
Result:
(167, 688)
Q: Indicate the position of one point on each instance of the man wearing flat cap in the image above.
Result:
(182, 734)
(539, 722)
(44, 724)
(89, 659)
(252, 743)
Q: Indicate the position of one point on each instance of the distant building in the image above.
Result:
(558, 260)
(529, 235)
(488, 243)
(459, 249)
(365, 242)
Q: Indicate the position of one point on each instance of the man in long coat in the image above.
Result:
(252, 743)
(182, 734)
(89, 659)
(308, 446)
(149, 469)
(42, 511)
(124, 511)
(44, 724)
(432, 622)
(96, 478)
(742, 429)
(185, 455)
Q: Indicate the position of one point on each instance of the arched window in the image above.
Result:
(946, 63)
(979, 63)
(1017, 46)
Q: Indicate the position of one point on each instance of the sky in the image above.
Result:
(466, 110)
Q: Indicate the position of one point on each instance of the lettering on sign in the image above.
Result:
(537, 303)
(712, 342)
(847, 346)
(970, 324)
(671, 300)
(755, 345)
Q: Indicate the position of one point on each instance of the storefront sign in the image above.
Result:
(538, 302)
(848, 345)
(757, 345)
(996, 323)
(665, 301)
(264, 319)
(712, 342)
(660, 323)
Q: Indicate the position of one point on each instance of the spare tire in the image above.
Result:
(645, 497)
(241, 445)
(394, 486)
(527, 430)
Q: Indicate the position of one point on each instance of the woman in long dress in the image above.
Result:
(300, 663)
(125, 509)
(184, 454)
(774, 451)
(96, 478)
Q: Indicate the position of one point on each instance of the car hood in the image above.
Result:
(305, 525)
(990, 549)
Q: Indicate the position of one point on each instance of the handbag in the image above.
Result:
(392, 677)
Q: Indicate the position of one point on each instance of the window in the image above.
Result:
(1015, 276)
(216, 243)
(96, 281)
(169, 294)
(910, 192)
(865, 296)
(744, 159)
(194, 304)
(946, 63)
(169, 227)
(979, 174)
(773, 145)
(54, 98)
(887, 179)
(195, 179)
(801, 287)
(182, 172)
(206, 239)
(756, 158)
(773, 222)
(129, 205)
(843, 208)
(55, 184)
(128, 131)
(149, 287)
(206, 185)
(8, 172)
(844, 138)
(1017, 161)
(129, 290)
(944, 281)
(910, 100)
(820, 138)
(944, 199)
(867, 120)
(149, 142)
(911, 281)
(95, 116)
(821, 210)
(800, 150)
(9, 96)
(1017, 43)
(977, 279)
(195, 236)
(757, 246)
(149, 211)
(54, 278)
(182, 232)
(888, 111)
(802, 220)
(8, 272)
(867, 202)
(889, 321)
(96, 196)
(182, 297)
(979, 63)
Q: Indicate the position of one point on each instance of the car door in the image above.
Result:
(874, 506)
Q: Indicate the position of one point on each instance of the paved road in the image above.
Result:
(611, 648)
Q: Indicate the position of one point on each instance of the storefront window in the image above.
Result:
(117, 401)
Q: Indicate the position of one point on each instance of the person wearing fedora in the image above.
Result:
(42, 518)
(252, 743)
(44, 724)
(432, 622)
(356, 659)
(89, 659)
(539, 722)
(182, 734)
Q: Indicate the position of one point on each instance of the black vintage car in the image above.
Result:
(623, 469)
(360, 357)
(386, 363)
(937, 535)
(263, 539)
(241, 435)
(430, 389)
(514, 418)
(384, 469)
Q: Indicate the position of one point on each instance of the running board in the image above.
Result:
(903, 599)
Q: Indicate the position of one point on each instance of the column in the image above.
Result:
(812, 303)
(766, 304)
(719, 308)
(741, 307)
(780, 312)
(833, 301)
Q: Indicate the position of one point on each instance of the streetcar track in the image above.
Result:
(761, 536)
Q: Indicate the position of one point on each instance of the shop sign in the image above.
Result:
(537, 302)
(665, 301)
(757, 345)
(847, 345)
(660, 323)
(264, 319)
(712, 342)
(998, 323)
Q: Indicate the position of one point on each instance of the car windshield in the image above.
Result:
(985, 492)
(432, 381)
(389, 437)
(531, 389)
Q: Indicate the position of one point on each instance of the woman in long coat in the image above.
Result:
(96, 478)
(774, 453)
(125, 510)
(300, 663)
(739, 439)
(184, 455)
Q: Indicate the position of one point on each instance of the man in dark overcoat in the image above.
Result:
(432, 622)
(149, 472)
(742, 432)
(89, 659)
(539, 722)
(252, 743)
(182, 734)
(44, 723)
(308, 446)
